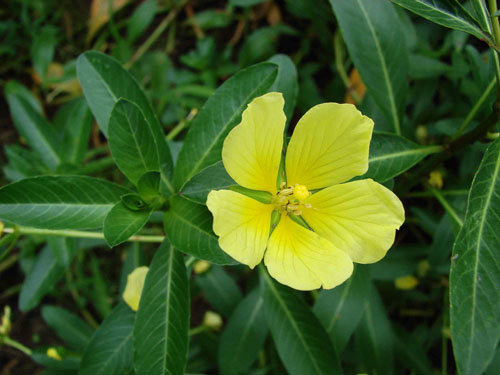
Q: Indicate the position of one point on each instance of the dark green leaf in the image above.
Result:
(74, 121)
(148, 186)
(63, 249)
(475, 273)
(24, 162)
(132, 141)
(42, 49)
(45, 274)
(220, 290)
(213, 177)
(244, 335)
(374, 26)
(110, 349)
(121, 223)
(445, 13)
(302, 343)
(222, 111)
(286, 83)
(374, 337)
(141, 19)
(162, 322)
(189, 228)
(411, 355)
(33, 127)
(59, 202)
(391, 155)
(135, 258)
(340, 310)
(245, 3)
(69, 327)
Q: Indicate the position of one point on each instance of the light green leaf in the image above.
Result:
(391, 155)
(162, 323)
(222, 111)
(340, 310)
(132, 141)
(287, 83)
(135, 258)
(189, 228)
(303, 345)
(374, 337)
(213, 177)
(220, 290)
(475, 272)
(59, 202)
(374, 26)
(244, 335)
(43, 48)
(23, 162)
(110, 349)
(104, 81)
(69, 327)
(445, 13)
(141, 18)
(121, 223)
(46, 272)
(32, 126)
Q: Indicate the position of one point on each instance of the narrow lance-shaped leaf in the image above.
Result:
(243, 336)
(222, 111)
(59, 202)
(375, 26)
(340, 310)
(302, 343)
(189, 227)
(446, 13)
(391, 155)
(110, 349)
(162, 322)
(475, 273)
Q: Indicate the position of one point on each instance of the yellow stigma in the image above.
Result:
(300, 192)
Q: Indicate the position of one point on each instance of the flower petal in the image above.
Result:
(242, 224)
(301, 259)
(329, 145)
(252, 150)
(359, 217)
(133, 289)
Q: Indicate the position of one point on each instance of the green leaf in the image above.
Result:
(68, 326)
(132, 142)
(244, 335)
(189, 228)
(374, 26)
(63, 248)
(32, 126)
(213, 177)
(340, 310)
(135, 258)
(245, 3)
(24, 162)
(110, 349)
(104, 81)
(59, 202)
(374, 337)
(410, 354)
(133, 202)
(445, 13)
(43, 48)
(475, 273)
(74, 120)
(162, 323)
(391, 155)
(303, 345)
(141, 18)
(220, 290)
(287, 83)
(148, 186)
(222, 111)
(46, 272)
(121, 223)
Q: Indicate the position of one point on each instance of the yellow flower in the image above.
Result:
(212, 320)
(406, 282)
(350, 221)
(54, 354)
(133, 289)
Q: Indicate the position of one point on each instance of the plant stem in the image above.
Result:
(496, 34)
(78, 234)
(97, 166)
(447, 206)
(427, 194)
(155, 35)
(9, 342)
(339, 64)
(8, 262)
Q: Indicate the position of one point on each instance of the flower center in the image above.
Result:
(290, 200)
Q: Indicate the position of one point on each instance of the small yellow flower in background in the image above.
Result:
(406, 282)
(5, 325)
(436, 179)
(1, 228)
(201, 266)
(351, 221)
(212, 320)
(52, 353)
(133, 289)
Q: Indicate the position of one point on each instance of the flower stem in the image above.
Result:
(9, 342)
(447, 206)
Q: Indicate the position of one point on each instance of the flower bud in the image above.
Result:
(212, 320)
